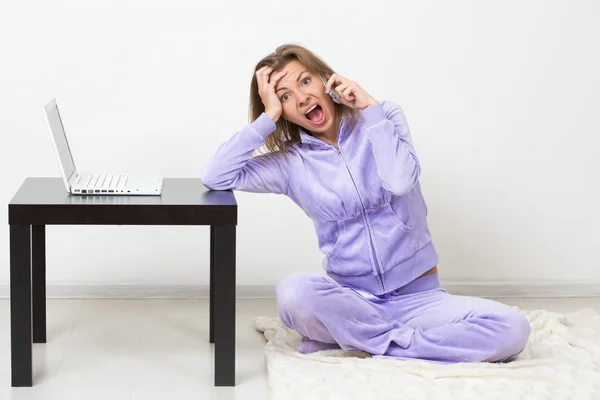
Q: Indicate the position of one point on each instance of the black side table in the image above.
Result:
(45, 201)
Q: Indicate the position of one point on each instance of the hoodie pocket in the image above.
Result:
(392, 227)
(400, 213)
(329, 234)
(346, 246)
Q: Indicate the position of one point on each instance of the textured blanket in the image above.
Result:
(561, 361)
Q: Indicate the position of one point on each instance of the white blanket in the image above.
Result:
(561, 361)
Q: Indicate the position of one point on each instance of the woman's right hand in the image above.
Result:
(266, 91)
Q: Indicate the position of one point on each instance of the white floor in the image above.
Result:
(156, 349)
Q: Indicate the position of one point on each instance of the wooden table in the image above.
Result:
(184, 201)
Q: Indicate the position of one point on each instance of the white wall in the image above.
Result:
(501, 98)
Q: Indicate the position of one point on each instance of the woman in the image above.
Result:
(352, 168)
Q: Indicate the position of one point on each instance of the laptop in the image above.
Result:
(94, 184)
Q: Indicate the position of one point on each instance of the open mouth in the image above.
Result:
(316, 115)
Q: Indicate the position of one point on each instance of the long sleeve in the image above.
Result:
(397, 163)
(233, 167)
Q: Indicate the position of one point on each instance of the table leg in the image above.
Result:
(211, 333)
(38, 282)
(20, 305)
(224, 259)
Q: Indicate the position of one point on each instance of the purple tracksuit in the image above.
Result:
(365, 201)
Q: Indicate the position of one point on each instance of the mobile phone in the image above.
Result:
(334, 95)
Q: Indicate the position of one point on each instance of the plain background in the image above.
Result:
(501, 98)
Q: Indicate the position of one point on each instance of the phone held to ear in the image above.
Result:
(334, 95)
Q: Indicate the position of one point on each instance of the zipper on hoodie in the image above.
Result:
(380, 272)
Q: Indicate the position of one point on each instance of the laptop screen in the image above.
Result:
(60, 138)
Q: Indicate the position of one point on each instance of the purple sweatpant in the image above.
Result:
(417, 321)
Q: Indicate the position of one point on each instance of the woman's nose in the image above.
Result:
(305, 101)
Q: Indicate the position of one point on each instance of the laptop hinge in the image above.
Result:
(73, 179)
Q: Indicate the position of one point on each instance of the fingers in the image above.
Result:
(265, 80)
(347, 89)
(276, 78)
(330, 82)
(334, 79)
(262, 75)
(348, 93)
(341, 88)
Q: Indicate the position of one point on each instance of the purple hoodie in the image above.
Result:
(364, 199)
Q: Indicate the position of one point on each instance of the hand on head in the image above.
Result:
(266, 91)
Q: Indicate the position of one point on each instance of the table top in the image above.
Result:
(176, 191)
(44, 196)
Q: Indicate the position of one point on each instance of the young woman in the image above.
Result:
(352, 167)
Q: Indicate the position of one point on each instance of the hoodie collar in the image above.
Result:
(307, 138)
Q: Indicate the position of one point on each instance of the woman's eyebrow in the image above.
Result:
(297, 79)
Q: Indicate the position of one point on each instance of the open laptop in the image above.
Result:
(86, 184)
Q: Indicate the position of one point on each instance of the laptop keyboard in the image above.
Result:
(103, 181)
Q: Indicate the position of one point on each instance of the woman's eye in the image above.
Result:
(283, 98)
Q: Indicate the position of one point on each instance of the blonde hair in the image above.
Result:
(287, 133)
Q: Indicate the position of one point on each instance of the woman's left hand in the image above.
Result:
(351, 94)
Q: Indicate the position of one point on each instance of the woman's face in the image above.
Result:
(299, 90)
